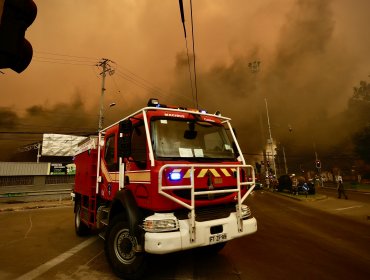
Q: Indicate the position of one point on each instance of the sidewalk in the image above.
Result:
(359, 211)
(356, 210)
(17, 206)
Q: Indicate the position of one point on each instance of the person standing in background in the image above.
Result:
(341, 189)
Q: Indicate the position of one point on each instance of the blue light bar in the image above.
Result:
(175, 176)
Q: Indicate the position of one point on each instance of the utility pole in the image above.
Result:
(104, 63)
(254, 66)
(285, 165)
(270, 140)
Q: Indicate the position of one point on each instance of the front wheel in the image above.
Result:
(80, 227)
(120, 250)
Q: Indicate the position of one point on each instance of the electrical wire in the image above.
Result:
(194, 66)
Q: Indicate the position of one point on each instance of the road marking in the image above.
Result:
(29, 229)
(57, 260)
(351, 207)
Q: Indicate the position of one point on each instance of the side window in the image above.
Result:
(109, 153)
(139, 145)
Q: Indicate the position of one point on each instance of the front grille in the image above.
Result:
(208, 213)
(186, 194)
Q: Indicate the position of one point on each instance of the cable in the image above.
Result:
(93, 59)
(189, 67)
(193, 39)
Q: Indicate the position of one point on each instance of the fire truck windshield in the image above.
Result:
(177, 139)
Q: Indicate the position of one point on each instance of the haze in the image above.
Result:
(312, 53)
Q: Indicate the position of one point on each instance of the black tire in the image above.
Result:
(80, 227)
(120, 250)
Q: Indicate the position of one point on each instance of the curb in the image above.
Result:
(9, 207)
(303, 197)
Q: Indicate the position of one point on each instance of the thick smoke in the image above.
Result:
(306, 73)
(303, 84)
(62, 118)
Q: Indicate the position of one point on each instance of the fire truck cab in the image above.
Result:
(161, 180)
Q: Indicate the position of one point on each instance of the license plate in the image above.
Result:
(217, 238)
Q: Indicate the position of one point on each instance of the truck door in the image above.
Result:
(139, 146)
(110, 153)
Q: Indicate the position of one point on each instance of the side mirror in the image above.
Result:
(124, 141)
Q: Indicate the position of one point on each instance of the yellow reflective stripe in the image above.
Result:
(215, 173)
(138, 176)
(226, 173)
(114, 176)
(202, 173)
(105, 172)
(187, 174)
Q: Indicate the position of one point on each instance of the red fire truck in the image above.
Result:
(161, 180)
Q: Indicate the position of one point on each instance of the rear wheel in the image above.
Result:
(120, 251)
(80, 227)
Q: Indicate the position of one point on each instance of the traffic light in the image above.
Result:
(15, 51)
(318, 164)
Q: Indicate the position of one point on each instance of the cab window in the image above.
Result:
(109, 153)
(138, 141)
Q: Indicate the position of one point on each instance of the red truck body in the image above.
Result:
(161, 180)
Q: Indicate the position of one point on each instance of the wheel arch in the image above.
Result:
(125, 203)
(77, 201)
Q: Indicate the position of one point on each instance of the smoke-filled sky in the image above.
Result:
(312, 53)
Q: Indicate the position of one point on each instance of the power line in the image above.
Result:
(144, 84)
(57, 58)
(124, 73)
(92, 59)
(194, 67)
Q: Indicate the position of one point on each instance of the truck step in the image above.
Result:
(104, 222)
(102, 235)
(105, 209)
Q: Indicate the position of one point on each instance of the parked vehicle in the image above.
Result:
(285, 183)
(306, 187)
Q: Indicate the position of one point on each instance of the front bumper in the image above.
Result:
(167, 242)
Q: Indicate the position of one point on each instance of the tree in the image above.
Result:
(359, 103)
(362, 93)
(361, 141)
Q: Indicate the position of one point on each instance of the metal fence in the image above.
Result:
(16, 180)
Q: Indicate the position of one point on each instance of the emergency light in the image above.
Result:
(175, 176)
(153, 102)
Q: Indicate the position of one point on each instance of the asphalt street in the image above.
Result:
(323, 238)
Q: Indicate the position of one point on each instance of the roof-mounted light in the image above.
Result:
(218, 113)
(202, 111)
(153, 102)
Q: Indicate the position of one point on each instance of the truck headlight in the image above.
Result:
(161, 223)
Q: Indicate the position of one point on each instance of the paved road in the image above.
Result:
(295, 240)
